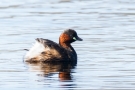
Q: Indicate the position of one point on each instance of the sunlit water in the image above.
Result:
(106, 57)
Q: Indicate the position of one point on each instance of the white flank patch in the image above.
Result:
(35, 50)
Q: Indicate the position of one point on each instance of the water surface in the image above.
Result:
(106, 57)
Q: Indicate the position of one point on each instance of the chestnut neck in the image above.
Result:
(64, 41)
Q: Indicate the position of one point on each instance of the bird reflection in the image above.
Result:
(48, 69)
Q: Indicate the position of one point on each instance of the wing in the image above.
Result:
(45, 50)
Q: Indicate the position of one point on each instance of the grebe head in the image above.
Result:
(69, 36)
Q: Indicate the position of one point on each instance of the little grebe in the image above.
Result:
(45, 50)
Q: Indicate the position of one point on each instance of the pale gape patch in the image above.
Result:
(35, 50)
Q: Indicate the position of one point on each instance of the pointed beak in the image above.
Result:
(79, 39)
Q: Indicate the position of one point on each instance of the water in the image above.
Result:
(106, 57)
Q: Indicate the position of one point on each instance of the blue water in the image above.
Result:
(106, 57)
